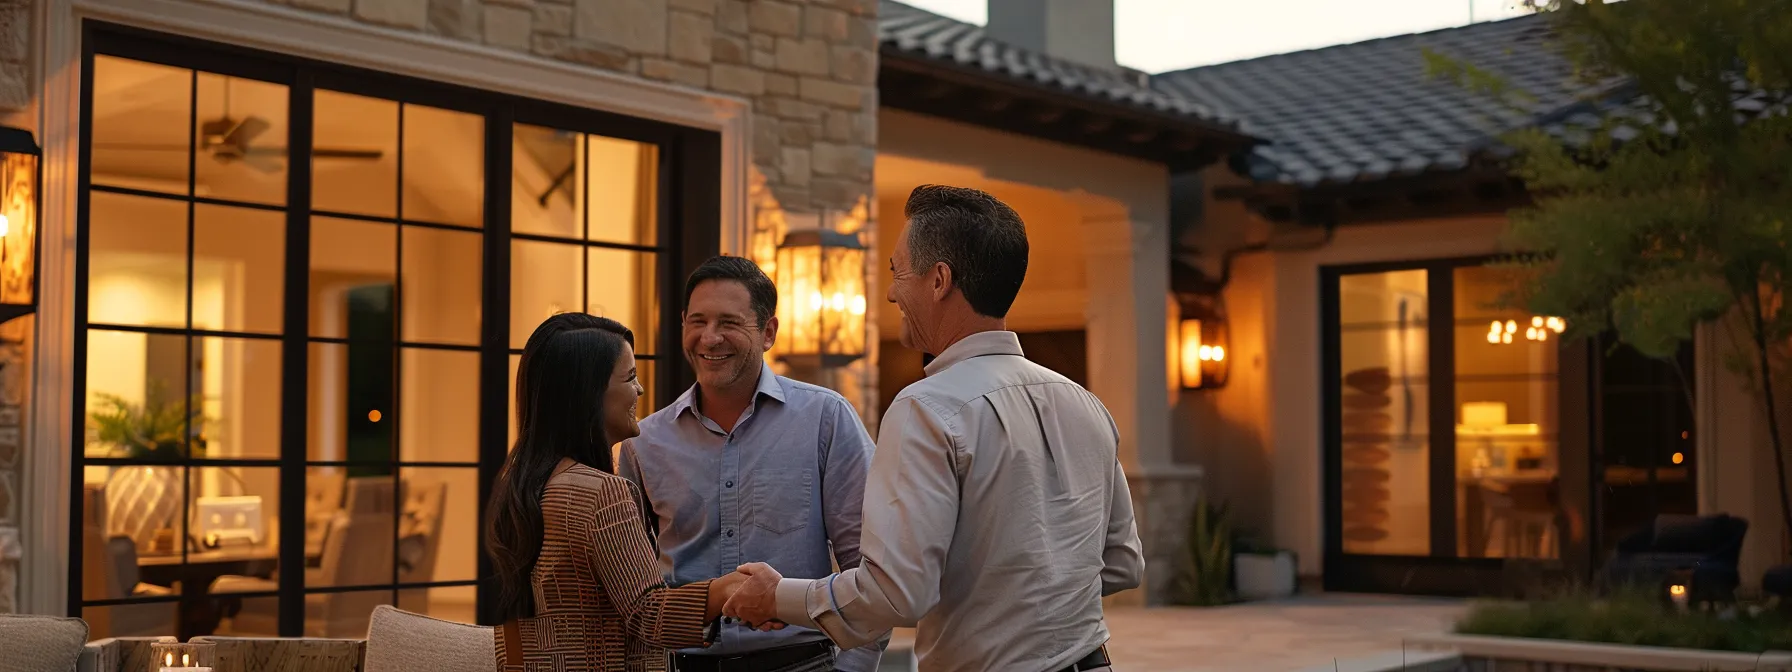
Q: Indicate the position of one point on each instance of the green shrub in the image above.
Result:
(1636, 618)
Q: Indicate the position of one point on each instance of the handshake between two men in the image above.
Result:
(750, 595)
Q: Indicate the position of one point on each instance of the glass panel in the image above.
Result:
(239, 391)
(621, 286)
(621, 185)
(141, 132)
(137, 263)
(1507, 457)
(449, 604)
(644, 368)
(351, 402)
(1648, 441)
(354, 267)
(545, 278)
(354, 158)
(239, 269)
(326, 490)
(1386, 455)
(131, 520)
(439, 406)
(242, 133)
(247, 616)
(444, 166)
(441, 298)
(342, 615)
(438, 538)
(135, 407)
(516, 362)
(153, 619)
(356, 545)
(547, 168)
(234, 526)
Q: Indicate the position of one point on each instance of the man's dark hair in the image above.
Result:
(760, 290)
(979, 237)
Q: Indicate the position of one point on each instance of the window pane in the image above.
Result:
(354, 158)
(242, 132)
(545, 279)
(342, 615)
(135, 406)
(439, 407)
(1386, 455)
(239, 269)
(1507, 456)
(131, 518)
(622, 287)
(449, 604)
(351, 402)
(354, 268)
(154, 619)
(438, 539)
(644, 368)
(444, 166)
(356, 546)
(547, 168)
(239, 389)
(141, 135)
(441, 298)
(137, 263)
(621, 185)
(247, 616)
(516, 362)
(235, 519)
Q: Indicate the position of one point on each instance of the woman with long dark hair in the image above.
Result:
(578, 580)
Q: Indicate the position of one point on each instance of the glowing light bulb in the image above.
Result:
(1219, 354)
(1679, 457)
(1511, 326)
(858, 304)
(1536, 320)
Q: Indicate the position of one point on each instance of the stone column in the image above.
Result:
(1128, 277)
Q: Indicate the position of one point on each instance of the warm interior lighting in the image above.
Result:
(826, 326)
(1677, 590)
(1191, 353)
(19, 179)
(1679, 457)
(374, 415)
(1541, 326)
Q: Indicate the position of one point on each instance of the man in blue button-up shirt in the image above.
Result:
(749, 466)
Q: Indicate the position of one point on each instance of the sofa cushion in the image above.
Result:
(54, 642)
(400, 640)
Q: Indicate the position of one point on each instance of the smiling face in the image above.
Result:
(622, 398)
(912, 294)
(723, 338)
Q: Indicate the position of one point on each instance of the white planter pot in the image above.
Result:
(1263, 577)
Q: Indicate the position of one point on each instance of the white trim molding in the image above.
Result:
(334, 39)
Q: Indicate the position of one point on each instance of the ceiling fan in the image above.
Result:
(228, 140)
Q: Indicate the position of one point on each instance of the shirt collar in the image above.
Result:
(770, 385)
(976, 345)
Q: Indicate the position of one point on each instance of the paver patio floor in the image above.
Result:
(1277, 636)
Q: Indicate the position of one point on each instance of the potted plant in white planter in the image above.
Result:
(1262, 572)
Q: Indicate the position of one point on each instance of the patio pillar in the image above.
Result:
(1128, 276)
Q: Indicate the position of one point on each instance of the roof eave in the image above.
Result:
(964, 93)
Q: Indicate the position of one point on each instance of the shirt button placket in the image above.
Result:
(731, 506)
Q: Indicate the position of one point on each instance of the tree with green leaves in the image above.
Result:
(1674, 210)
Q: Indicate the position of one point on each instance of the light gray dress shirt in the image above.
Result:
(996, 518)
(783, 488)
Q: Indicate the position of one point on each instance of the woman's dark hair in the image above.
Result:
(560, 383)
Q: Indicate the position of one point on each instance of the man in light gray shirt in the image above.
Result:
(996, 515)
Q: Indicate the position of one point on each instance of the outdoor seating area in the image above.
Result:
(394, 640)
(1698, 553)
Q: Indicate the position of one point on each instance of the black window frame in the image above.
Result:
(688, 230)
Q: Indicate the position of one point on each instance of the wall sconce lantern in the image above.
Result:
(1203, 347)
(20, 174)
(821, 298)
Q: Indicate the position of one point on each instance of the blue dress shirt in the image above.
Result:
(784, 488)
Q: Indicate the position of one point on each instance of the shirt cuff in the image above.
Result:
(793, 602)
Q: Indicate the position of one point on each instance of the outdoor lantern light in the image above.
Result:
(20, 174)
(1201, 344)
(821, 298)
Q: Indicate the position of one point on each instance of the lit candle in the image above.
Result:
(1677, 593)
(186, 664)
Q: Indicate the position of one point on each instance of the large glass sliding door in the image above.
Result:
(1444, 458)
(300, 290)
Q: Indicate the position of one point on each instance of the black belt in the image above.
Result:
(756, 661)
(1092, 661)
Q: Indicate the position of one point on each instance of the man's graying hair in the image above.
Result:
(978, 236)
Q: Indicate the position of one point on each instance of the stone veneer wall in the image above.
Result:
(808, 66)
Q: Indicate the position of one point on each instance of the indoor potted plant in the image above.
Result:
(144, 500)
